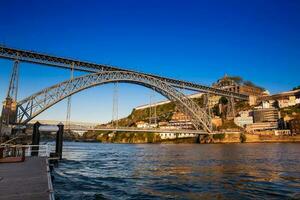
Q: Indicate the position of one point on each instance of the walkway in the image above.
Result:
(26, 180)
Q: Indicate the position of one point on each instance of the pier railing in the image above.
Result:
(25, 150)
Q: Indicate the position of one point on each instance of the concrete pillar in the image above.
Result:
(35, 139)
(59, 140)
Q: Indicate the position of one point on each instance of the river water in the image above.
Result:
(178, 171)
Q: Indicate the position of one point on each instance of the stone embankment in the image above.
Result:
(225, 138)
(222, 138)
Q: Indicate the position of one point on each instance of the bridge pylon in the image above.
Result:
(8, 115)
(9, 109)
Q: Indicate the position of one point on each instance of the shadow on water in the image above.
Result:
(180, 171)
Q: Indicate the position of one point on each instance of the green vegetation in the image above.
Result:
(243, 138)
(242, 105)
(164, 113)
(122, 137)
(291, 110)
(296, 88)
(241, 81)
(219, 136)
(223, 101)
(229, 124)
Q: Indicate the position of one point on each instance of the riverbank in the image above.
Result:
(222, 138)
(133, 138)
(226, 138)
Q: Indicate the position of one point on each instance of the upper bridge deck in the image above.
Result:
(68, 63)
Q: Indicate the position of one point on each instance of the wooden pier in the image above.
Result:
(29, 180)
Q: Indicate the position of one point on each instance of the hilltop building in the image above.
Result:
(235, 84)
(282, 100)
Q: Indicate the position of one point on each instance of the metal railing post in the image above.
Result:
(35, 139)
(59, 140)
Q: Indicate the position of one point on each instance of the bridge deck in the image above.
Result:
(25, 180)
(43, 59)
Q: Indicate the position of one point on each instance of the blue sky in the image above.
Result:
(198, 41)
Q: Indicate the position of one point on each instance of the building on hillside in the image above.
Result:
(282, 132)
(266, 115)
(268, 104)
(180, 121)
(284, 99)
(261, 126)
(230, 84)
(295, 125)
(176, 135)
(163, 123)
(142, 124)
(244, 118)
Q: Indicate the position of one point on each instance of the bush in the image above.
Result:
(219, 136)
(243, 138)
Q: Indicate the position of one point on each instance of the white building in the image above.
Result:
(176, 135)
(142, 124)
(244, 119)
(284, 99)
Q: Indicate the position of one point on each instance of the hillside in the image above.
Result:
(165, 112)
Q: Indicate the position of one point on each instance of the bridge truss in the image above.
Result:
(32, 106)
(44, 59)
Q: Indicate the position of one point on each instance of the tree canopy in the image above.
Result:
(240, 80)
(296, 88)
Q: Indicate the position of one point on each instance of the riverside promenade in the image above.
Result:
(28, 180)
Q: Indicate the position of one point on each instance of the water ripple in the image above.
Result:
(187, 171)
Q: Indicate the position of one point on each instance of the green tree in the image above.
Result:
(296, 88)
(223, 100)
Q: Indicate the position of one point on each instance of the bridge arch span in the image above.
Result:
(35, 104)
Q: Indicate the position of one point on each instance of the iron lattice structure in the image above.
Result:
(54, 61)
(32, 106)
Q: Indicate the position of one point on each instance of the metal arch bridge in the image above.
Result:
(44, 59)
(32, 106)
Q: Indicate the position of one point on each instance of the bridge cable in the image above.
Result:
(69, 105)
(152, 109)
(115, 109)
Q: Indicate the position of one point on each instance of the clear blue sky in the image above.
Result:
(198, 41)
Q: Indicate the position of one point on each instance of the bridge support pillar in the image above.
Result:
(59, 140)
(35, 139)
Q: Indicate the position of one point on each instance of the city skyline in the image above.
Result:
(193, 48)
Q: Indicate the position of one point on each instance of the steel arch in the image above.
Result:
(35, 104)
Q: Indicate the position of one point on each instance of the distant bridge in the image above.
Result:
(152, 130)
(146, 130)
